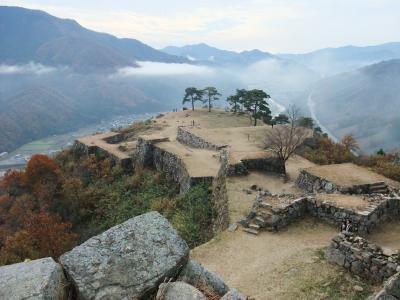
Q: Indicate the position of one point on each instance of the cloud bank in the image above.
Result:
(162, 69)
(31, 68)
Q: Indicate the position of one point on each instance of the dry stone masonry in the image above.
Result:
(186, 137)
(362, 258)
(273, 212)
(313, 184)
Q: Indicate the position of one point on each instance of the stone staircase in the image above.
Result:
(262, 219)
(378, 188)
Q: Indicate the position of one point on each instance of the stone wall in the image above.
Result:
(313, 184)
(83, 149)
(219, 196)
(266, 164)
(175, 169)
(363, 221)
(362, 258)
(184, 136)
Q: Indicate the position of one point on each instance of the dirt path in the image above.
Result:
(387, 235)
(285, 265)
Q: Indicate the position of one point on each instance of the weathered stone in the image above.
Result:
(195, 274)
(392, 286)
(41, 279)
(234, 295)
(127, 261)
(179, 291)
(358, 288)
(334, 255)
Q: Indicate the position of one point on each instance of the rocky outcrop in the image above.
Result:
(362, 258)
(127, 261)
(179, 291)
(391, 289)
(195, 274)
(41, 279)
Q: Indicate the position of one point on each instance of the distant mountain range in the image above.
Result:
(330, 61)
(205, 54)
(365, 103)
(32, 35)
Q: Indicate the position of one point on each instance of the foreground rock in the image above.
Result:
(195, 274)
(234, 295)
(391, 289)
(128, 261)
(179, 291)
(41, 279)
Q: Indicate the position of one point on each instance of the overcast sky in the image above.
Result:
(270, 25)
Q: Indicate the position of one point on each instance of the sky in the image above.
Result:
(277, 26)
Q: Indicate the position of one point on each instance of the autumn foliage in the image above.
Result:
(29, 225)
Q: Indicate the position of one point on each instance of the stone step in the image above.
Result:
(378, 188)
(259, 221)
(380, 183)
(379, 191)
(265, 205)
(254, 226)
(251, 231)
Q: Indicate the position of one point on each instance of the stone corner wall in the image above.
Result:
(186, 137)
(220, 195)
(362, 258)
(312, 184)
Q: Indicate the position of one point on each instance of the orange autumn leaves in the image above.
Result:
(29, 228)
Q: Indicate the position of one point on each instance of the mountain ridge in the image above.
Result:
(54, 41)
(205, 53)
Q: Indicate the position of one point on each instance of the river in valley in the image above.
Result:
(52, 144)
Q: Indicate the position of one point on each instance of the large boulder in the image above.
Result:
(41, 279)
(195, 274)
(179, 291)
(128, 261)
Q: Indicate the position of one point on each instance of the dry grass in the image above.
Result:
(346, 201)
(387, 235)
(349, 174)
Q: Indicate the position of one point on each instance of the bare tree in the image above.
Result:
(283, 140)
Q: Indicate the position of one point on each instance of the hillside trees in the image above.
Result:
(236, 101)
(254, 102)
(56, 203)
(285, 139)
(280, 119)
(211, 94)
(192, 95)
